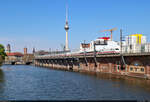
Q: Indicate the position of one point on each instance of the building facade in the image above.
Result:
(135, 43)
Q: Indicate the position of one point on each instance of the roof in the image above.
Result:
(28, 54)
(105, 38)
(136, 35)
(14, 54)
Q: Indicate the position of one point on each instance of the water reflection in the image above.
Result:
(129, 81)
(35, 83)
(2, 84)
(1, 76)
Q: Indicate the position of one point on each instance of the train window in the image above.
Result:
(116, 49)
(101, 42)
(97, 42)
(131, 69)
(105, 42)
(142, 69)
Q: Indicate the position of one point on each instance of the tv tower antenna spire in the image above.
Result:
(66, 13)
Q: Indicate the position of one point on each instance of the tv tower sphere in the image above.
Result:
(66, 26)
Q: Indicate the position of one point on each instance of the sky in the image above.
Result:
(40, 23)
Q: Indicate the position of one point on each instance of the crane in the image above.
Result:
(111, 30)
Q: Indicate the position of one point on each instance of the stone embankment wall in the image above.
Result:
(135, 66)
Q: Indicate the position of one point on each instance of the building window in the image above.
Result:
(117, 62)
(105, 42)
(130, 46)
(131, 69)
(142, 69)
(114, 68)
(118, 67)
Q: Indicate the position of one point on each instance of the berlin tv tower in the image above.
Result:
(66, 28)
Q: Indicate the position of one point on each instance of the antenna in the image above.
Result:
(66, 12)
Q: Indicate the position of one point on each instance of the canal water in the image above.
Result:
(22, 82)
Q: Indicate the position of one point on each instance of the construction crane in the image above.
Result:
(111, 30)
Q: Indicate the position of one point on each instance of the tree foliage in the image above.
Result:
(2, 51)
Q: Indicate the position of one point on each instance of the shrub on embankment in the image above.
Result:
(2, 54)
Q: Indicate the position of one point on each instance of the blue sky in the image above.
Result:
(40, 23)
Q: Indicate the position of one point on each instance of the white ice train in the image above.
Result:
(103, 45)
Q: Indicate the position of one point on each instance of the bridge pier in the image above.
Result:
(65, 64)
(91, 67)
(38, 64)
(84, 67)
(47, 64)
(75, 68)
(41, 63)
(51, 63)
(98, 67)
(35, 62)
(148, 72)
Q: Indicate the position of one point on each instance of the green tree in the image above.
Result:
(2, 51)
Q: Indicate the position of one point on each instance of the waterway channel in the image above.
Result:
(22, 82)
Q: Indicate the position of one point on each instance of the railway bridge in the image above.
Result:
(17, 60)
(126, 64)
